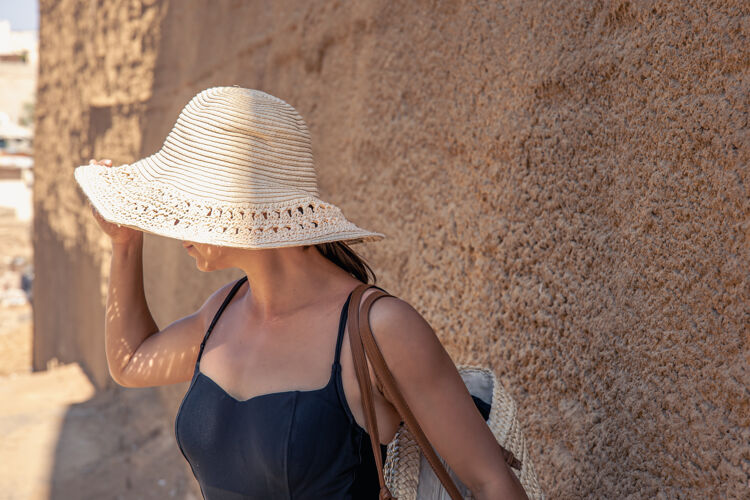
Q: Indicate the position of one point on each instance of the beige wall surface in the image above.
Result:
(563, 187)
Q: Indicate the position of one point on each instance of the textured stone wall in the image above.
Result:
(563, 187)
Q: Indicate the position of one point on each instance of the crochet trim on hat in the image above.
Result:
(128, 198)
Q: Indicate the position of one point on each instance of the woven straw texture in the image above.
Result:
(236, 170)
(409, 476)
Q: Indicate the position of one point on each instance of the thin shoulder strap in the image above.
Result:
(342, 325)
(218, 313)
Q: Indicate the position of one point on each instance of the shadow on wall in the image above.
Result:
(57, 259)
(121, 443)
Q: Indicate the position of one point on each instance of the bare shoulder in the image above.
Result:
(408, 342)
(395, 318)
(169, 355)
(212, 304)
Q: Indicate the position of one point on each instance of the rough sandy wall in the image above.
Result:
(563, 185)
(96, 73)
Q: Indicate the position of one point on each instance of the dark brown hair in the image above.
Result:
(343, 256)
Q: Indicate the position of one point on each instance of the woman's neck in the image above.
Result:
(283, 281)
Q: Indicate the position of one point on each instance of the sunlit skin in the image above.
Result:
(208, 257)
(293, 290)
(283, 280)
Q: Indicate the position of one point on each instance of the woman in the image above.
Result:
(264, 416)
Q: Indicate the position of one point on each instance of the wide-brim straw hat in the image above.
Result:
(236, 170)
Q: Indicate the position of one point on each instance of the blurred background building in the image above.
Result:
(19, 58)
(18, 70)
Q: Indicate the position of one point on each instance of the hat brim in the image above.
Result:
(124, 195)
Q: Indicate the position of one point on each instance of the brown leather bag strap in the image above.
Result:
(360, 336)
(365, 389)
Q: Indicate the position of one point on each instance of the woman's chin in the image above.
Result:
(202, 266)
(206, 267)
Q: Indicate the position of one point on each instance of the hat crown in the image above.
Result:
(230, 136)
(236, 170)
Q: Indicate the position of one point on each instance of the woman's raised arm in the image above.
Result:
(138, 353)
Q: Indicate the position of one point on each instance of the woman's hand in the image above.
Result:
(117, 233)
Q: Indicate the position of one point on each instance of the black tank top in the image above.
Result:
(283, 445)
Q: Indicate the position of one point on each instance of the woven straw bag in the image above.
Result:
(407, 472)
(413, 470)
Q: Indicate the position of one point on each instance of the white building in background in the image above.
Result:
(16, 183)
(16, 168)
(17, 42)
(18, 71)
(19, 54)
(14, 138)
